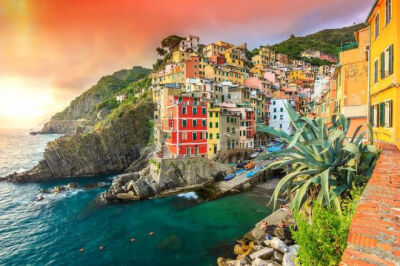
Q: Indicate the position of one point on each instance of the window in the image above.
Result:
(194, 135)
(274, 109)
(273, 102)
(180, 99)
(227, 119)
(280, 125)
(281, 117)
(376, 115)
(274, 116)
(194, 110)
(184, 110)
(210, 125)
(216, 114)
(216, 124)
(281, 110)
(203, 111)
(388, 113)
(194, 123)
(382, 114)
(388, 11)
(217, 135)
(210, 114)
(376, 70)
(204, 123)
(377, 26)
(204, 135)
(211, 136)
(184, 136)
(387, 62)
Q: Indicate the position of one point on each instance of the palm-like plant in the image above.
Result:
(323, 163)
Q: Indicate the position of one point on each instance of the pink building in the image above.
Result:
(329, 58)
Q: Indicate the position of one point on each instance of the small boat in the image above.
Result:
(250, 165)
(241, 171)
(230, 176)
(254, 155)
(241, 165)
(254, 172)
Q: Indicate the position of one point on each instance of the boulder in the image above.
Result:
(278, 256)
(72, 185)
(260, 262)
(289, 257)
(278, 244)
(264, 253)
(127, 196)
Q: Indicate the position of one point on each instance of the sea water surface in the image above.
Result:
(52, 231)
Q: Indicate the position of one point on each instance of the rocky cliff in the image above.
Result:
(155, 177)
(109, 148)
(84, 107)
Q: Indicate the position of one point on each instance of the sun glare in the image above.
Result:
(18, 101)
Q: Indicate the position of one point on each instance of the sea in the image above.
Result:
(70, 227)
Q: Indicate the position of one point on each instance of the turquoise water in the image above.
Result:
(52, 231)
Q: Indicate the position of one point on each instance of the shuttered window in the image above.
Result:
(376, 71)
(382, 115)
(388, 113)
(371, 115)
(391, 59)
(382, 65)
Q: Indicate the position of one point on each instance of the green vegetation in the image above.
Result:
(168, 46)
(324, 164)
(323, 240)
(327, 41)
(86, 105)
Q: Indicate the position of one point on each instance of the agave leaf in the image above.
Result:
(356, 133)
(297, 201)
(325, 185)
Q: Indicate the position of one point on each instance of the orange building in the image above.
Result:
(351, 76)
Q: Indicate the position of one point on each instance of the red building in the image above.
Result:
(187, 126)
(217, 59)
(192, 67)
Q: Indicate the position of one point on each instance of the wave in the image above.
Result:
(189, 195)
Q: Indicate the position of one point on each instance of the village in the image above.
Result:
(210, 98)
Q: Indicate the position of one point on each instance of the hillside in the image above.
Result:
(327, 41)
(98, 101)
(83, 105)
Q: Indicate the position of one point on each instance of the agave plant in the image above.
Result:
(323, 163)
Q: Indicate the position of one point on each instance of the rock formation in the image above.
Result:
(106, 150)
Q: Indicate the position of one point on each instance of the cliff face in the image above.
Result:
(83, 107)
(158, 177)
(106, 150)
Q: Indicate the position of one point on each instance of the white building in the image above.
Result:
(279, 116)
(120, 97)
(190, 43)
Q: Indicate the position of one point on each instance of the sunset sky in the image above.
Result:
(53, 50)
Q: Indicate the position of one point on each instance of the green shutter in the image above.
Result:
(371, 115)
(382, 115)
(391, 59)
(390, 113)
(382, 65)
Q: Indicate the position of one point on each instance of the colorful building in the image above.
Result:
(352, 81)
(265, 58)
(384, 21)
(187, 126)
(191, 44)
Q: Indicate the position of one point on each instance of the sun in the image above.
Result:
(19, 101)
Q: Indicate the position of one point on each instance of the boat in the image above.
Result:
(230, 176)
(241, 165)
(250, 165)
(254, 172)
(241, 171)
(254, 155)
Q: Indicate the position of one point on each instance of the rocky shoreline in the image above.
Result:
(254, 249)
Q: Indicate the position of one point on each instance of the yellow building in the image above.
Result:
(214, 133)
(232, 56)
(351, 75)
(300, 74)
(258, 72)
(216, 48)
(224, 73)
(384, 21)
(180, 56)
(266, 58)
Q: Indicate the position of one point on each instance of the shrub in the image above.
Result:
(323, 240)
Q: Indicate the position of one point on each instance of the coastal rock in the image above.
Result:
(61, 126)
(278, 244)
(164, 177)
(289, 257)
(261, 262)
(265, 253)
(278, 256)
(107, 150)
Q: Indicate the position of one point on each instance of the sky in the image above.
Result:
(53, 50)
